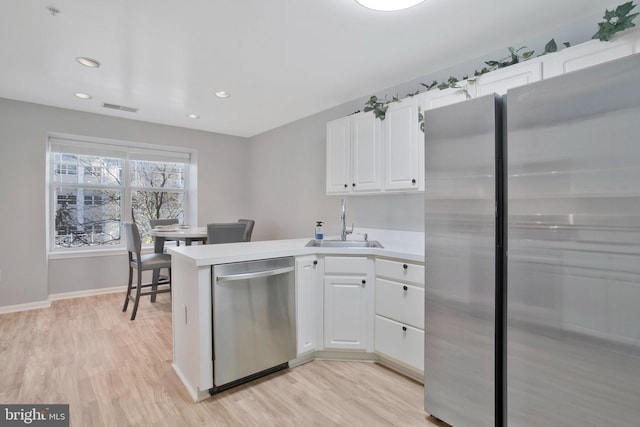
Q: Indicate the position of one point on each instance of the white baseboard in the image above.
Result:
(25, 306)
(87, 293)
(64, 295)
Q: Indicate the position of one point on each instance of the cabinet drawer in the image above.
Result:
(400, 271)
(405, 345)
(345, 265)
(401, 302)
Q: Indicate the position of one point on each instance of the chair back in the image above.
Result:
(225, 233)
(132, 235)
(249, 223)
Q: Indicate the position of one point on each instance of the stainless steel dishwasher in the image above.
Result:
(254, 327)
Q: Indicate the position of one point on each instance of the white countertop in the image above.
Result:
(403, 245)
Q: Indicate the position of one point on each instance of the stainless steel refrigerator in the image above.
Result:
(532, 247)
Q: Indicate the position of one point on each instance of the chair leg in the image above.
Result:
(138, 291)
(126, 298)
(155, 279)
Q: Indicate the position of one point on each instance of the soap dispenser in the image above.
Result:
(319, 233)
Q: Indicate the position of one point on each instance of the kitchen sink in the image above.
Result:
(344, 244)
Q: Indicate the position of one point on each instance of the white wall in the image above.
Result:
(26, 277)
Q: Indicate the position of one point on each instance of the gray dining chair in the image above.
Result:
(225, 233)
(140, 263)
(249, 223)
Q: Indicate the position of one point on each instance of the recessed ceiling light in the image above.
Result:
(82, 95)
(388, 5)
(88, 62)
(223, 94)
(193, 116)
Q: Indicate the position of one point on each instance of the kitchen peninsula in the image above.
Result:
(321, 328)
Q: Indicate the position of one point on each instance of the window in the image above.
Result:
(95, 186)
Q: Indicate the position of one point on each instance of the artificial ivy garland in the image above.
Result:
(614, 21)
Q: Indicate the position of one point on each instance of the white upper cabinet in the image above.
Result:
(499, 81)
(354, 162)
(439, 98)
(367, 151)
(590, 53)
(339, 156)
(366, 155)
(404, 146)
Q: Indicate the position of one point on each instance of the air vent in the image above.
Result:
(120, 107)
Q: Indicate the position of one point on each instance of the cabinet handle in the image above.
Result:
(315, 262)
(404, 329)
(405, 266)
(413, 181)
(353, 184)
(345, 186)
(364, 282)
(404, 288)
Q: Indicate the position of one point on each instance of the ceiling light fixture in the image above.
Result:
(193, 116)
(223, 94)
(82, 95)
(388, 5)
(88, 62)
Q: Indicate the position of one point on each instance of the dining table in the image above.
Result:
(179, 233)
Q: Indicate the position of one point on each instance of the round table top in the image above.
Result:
(179, 231)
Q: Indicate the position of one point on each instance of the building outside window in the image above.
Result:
(94, 187)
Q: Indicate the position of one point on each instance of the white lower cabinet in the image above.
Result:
(308, 304)
(399, 341)
(348, 308)
(400, 301)
(399, 313)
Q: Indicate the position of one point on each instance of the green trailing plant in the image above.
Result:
(616, 21)
(379, 108)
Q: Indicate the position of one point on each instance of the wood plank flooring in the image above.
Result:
(115, 372)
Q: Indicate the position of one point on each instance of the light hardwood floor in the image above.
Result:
(115, 372)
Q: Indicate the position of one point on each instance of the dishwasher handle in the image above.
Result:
(254, 275)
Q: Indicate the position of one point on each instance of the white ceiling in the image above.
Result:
(281, 60)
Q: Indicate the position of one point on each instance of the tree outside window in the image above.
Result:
(90, 196)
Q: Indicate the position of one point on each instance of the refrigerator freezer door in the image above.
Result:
(573, 340)
(460, 227)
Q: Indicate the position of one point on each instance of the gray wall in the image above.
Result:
(26, 276)
(277, 177)
(288, 163)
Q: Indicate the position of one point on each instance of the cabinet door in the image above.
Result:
(402, 140)
(367, 151)
(585, 55)
(500, 81)
(400, 342)
(339, 156)
(439, 98)
(345, 313)
(307, 304)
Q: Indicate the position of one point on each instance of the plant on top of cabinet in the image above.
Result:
(615, 21)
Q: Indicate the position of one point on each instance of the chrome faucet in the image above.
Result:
(343, 216)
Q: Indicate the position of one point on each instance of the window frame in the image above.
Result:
(128, 151)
